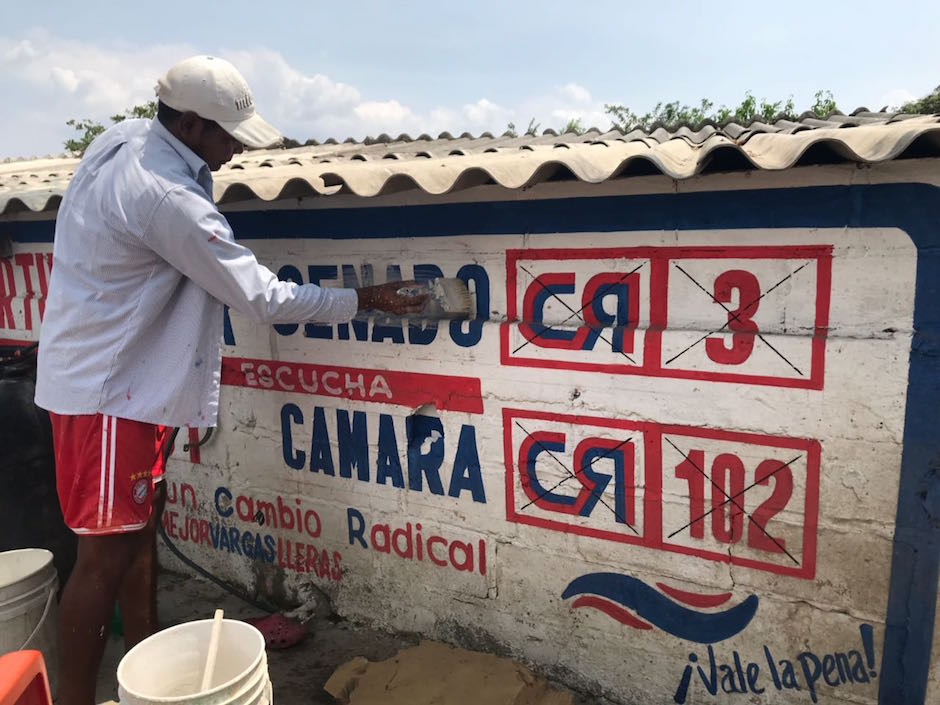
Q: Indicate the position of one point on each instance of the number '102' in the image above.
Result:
(729, 482)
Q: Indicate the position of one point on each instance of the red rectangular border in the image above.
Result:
(652, 534)
(412, 389)
(513, 516)
(659, 258)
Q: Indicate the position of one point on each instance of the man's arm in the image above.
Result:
(190, 234)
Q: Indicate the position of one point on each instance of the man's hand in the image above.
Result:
(385, 297)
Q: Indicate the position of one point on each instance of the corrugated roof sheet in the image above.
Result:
(446, 164)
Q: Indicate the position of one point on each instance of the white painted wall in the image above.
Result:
(838, 415)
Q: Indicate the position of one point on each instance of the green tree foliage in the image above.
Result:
(672, 115)
(928, 105)
(88, 129)
(825, 104)
(667, 115)
(531, 130)
(574, 126)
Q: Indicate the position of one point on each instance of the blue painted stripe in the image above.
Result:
(659, 610)
(914, 208)
(28, 231)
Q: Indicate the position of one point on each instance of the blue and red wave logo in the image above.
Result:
(687, 615)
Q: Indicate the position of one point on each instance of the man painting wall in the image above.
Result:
(130, 345)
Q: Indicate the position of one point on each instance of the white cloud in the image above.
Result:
(65, 78)
(291, 94)
(93, 78)
(382, 112)
(388, 116)
(895, 98)
(56, 79)
(18, 51)
(484, 113)
(554, 110)
(443, 119)
(576, 93)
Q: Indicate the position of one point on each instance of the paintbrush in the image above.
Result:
(447, 298)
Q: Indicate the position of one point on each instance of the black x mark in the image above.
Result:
(572, 475)
(732, 500)
(733, 317)
(600, 294)
(736, 495)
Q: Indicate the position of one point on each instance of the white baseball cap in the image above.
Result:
(215, 90)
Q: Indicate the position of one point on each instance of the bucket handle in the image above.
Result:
(45, 613)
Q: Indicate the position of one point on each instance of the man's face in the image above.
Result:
(208, 140)
(217, 146)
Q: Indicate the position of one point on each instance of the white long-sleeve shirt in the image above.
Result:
(142, 263)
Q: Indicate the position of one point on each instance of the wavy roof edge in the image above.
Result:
(385, 138)
(377, 166)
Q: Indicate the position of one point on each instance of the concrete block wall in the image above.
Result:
(685, 455)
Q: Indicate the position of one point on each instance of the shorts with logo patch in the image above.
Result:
(106, 470)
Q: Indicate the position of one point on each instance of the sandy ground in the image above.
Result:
(297, 673)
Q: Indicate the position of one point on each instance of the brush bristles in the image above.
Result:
(447, 298)
(453, 296)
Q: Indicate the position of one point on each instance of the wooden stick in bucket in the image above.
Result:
(213, 651)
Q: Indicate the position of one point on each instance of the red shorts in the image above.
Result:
(106, 469)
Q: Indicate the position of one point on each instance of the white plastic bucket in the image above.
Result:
(167, 667)
(28, 608)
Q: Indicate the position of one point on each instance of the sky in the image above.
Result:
(358, 69)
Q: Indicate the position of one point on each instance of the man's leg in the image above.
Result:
(138, 594)
(85, 610)
(104, 469)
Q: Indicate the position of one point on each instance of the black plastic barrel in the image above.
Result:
(30, 516)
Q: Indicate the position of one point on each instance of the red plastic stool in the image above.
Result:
(23, 679)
